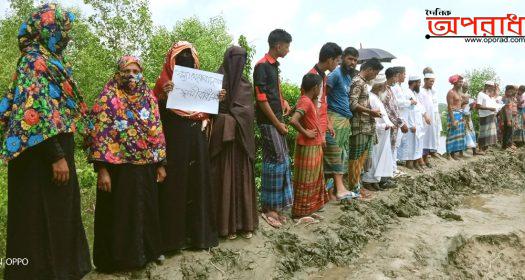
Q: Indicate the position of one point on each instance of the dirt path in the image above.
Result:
(465, 219)
(485, 239)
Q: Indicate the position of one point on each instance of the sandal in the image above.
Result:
(307, 220)
(271, 221)
(247, 235)
(347, 195)
(317, 216)
(160, 260)
(232, 236)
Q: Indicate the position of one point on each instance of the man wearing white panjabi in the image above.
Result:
(381, 158)
(428, 99)
(390, 102)
(402, 101)
(411, 147)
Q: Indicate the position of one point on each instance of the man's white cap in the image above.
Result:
(414, 78)
(490, 83)
(380, 78)
(430, 76)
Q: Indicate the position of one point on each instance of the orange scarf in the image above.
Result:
(167, 74)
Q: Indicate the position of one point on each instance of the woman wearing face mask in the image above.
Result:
(127, 148)
(187, 200)
(38, 116)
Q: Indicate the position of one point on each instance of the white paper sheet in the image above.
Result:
(195, 90)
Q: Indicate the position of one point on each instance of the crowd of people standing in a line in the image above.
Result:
(172, 179)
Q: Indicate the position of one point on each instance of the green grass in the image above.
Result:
(3, 208)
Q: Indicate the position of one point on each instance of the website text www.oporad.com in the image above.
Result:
(489, 40)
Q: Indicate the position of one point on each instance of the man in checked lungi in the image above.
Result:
(363, 123)
(456, 126)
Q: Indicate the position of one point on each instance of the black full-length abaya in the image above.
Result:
(127, 219)
(44, 222)
(186, 198)
(127, 227)
(37, 118)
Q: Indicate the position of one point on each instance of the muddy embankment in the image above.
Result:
(462, 220)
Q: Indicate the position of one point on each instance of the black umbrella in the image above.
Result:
(367, 54)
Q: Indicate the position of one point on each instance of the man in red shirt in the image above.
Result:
(329, 59)
(276, 185)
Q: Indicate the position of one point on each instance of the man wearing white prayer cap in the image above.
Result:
(429, 76)
(487, 109)
(413, 78)
(381, 158)
(411, 149)
(380, 79)
(428, 99)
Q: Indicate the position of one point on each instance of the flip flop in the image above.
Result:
(344, 197)
(271, 221)
(317, 216)
(347, 196)
(307, 220)
(355, 195)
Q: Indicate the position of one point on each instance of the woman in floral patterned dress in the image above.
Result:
(128, 151)
(38, 116)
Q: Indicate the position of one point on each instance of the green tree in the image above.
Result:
(477, 77)
(9, 53)
(124, 26)
(291, 93)
(250, 50)
(93, 64)
(211, 39)
(153, 57)
(21, 8)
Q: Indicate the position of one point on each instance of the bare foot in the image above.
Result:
(479, 153)
(331, 195)
(283, 218)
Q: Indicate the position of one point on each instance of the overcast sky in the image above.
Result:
(396, 26)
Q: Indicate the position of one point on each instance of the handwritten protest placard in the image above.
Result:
(195, 90)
